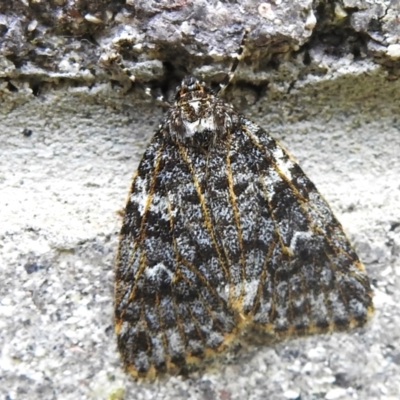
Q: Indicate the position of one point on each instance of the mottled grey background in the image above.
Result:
(321, 76)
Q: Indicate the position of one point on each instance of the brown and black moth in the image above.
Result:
(225, 239)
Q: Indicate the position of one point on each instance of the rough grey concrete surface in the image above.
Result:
(320, 76)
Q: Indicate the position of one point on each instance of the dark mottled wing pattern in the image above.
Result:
(168, 309)
(224, 237)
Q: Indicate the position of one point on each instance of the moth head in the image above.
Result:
(192, 87)
(198, 115)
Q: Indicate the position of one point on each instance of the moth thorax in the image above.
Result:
(199, 117)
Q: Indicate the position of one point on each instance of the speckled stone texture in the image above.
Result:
(322, 78)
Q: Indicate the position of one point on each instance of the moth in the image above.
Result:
(225, 239)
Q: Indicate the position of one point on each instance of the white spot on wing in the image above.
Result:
(139, 196)
(159, 205)
(299, 235)
(158, 348)
(175, 343)
(270, 180)
(283, 162)
(250, 292)
(223, 291)
(154, 272)
(124, 328)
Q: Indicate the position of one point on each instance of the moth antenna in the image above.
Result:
(240, 55)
